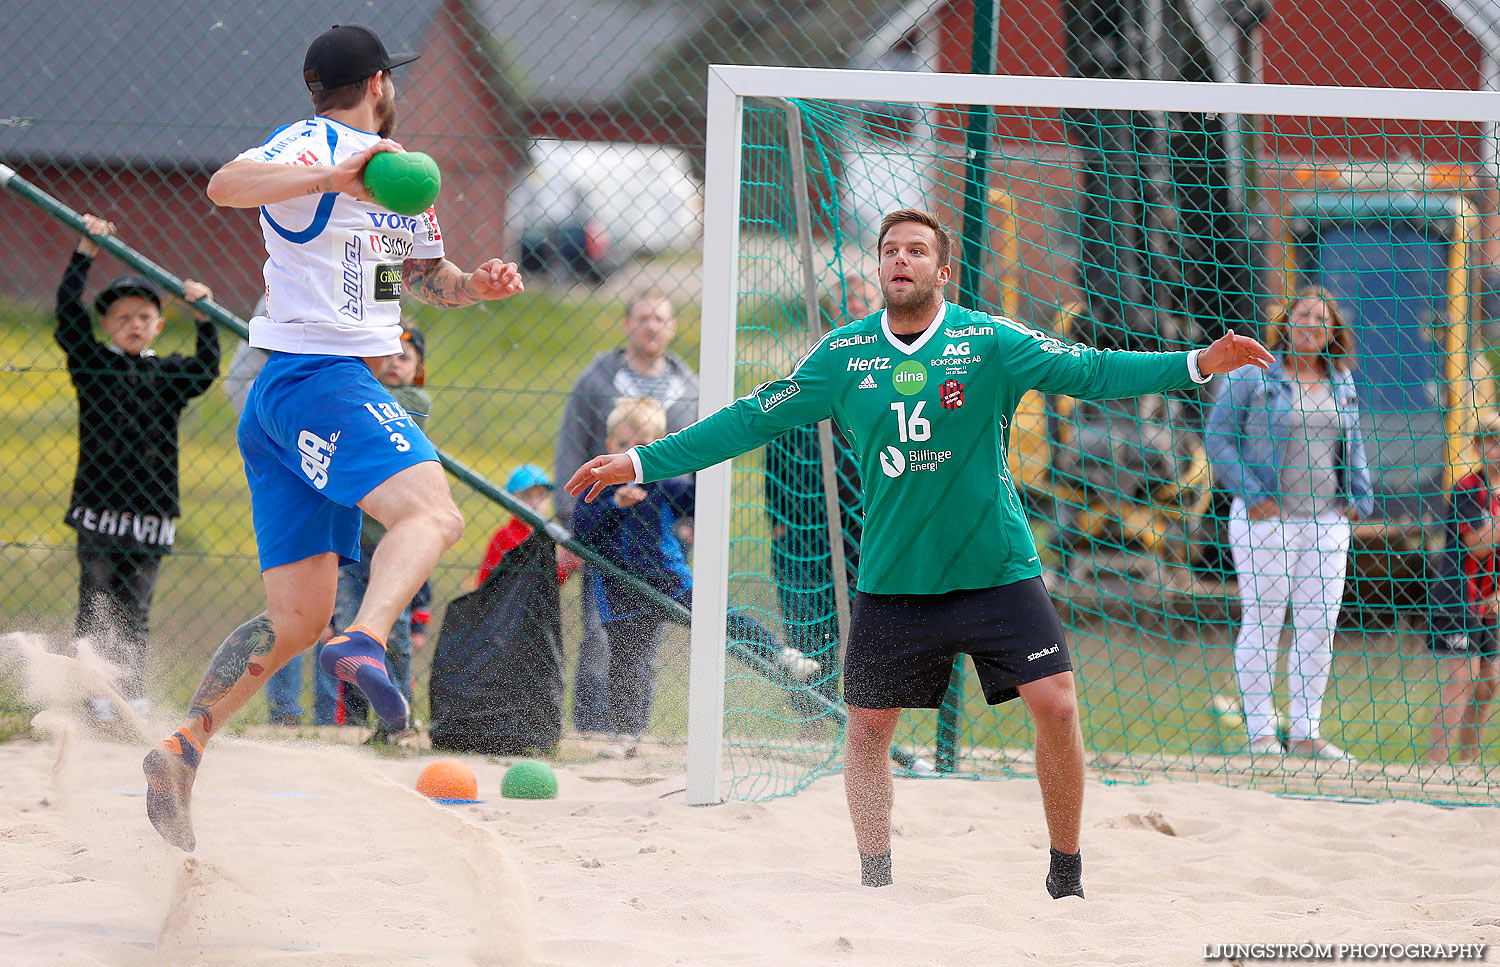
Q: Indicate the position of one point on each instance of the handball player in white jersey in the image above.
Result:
(320, 436)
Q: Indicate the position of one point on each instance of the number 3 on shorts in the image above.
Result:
(400, 442)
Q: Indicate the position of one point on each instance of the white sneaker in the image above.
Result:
(800, 667)
(622, 747)
(1266, 745)
(1319, 749)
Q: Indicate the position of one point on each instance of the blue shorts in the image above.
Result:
(317, 434)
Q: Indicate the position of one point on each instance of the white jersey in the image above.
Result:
(333, 271)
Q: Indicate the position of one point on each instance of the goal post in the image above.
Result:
(1340, 150)
(721, 209)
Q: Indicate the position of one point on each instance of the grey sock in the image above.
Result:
(1065, 878)
(875, 870)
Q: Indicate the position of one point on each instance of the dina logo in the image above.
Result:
(910, 377)
(951, 394)
(892, 462)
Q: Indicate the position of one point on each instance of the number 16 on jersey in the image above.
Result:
(914, 429)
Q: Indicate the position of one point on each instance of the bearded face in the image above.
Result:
(909, 270)
(909, 287)
(385, 109)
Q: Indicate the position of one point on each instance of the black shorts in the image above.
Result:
(1452, 635)
(902, 646)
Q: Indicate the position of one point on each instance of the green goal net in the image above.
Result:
(1214, 637)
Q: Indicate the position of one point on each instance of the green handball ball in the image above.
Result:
(529, 779)
(406, 182)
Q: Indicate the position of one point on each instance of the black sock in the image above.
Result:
(1065, 878)
(875, 870)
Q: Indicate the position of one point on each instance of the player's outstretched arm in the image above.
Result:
(748, 423)
(440, 283)
(1044, 363)
(1231, 351)
(599, 473)
(250, 184)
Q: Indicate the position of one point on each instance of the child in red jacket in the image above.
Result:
(531, 485)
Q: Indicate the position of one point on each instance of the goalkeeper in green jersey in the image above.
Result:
(925, 392)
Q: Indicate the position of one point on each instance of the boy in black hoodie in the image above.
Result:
(124, 502)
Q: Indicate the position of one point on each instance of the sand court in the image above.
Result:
(314, 854)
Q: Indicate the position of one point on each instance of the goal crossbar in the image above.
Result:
(1108, 94)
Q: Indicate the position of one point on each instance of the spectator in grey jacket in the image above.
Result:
(1286, 444)
(641, 368)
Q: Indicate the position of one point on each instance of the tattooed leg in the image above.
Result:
(244, 655)
(171, 769)
(299, 602)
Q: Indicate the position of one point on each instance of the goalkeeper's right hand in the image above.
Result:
(600, 472)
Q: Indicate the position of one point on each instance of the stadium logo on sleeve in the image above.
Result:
(951, 394)
(769, 401)
(910, 377)
(969, 331)
(892, 462)
(844, 342)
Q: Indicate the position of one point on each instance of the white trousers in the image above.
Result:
(1287, 563)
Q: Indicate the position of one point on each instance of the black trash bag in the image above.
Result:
(496, 685)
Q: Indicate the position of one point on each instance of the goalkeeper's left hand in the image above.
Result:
(1231, 351)
(599, 473)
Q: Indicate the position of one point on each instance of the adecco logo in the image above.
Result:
(909, 377)
(892, 462)
(770, 402)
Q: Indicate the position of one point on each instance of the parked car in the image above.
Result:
(586, 207)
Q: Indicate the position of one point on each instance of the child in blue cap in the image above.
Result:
(530, 484)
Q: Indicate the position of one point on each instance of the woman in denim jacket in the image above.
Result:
(1286, 444)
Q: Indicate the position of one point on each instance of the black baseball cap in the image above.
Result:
(346, 53)
(413, 335)
(126, 285)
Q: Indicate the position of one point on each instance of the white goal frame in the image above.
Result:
(728, 87)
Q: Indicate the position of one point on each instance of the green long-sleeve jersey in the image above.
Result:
(930, 425)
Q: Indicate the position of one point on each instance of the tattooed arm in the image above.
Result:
(440, 283)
